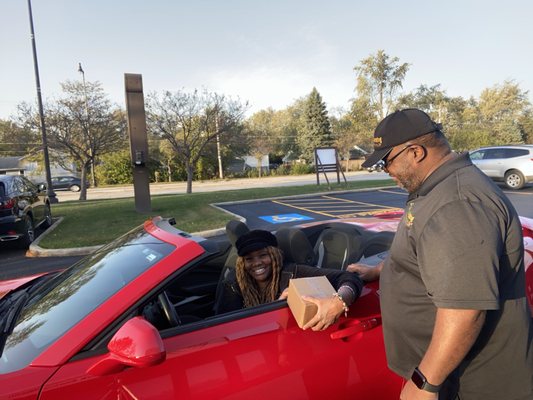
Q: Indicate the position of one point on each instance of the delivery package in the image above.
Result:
(316, 286)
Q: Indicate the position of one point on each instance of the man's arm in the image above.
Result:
(454, 334)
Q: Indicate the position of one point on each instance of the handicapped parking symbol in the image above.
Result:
(283, 218)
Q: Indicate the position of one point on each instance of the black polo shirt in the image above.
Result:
(459, 245)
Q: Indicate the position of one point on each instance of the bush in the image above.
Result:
(302, 169)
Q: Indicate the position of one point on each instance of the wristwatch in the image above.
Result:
(421, 382)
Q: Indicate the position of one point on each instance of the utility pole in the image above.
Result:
(89, 142)
(49, 190)
(219, 155)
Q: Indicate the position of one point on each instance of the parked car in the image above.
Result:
(23, 207)
(135, 319)
(511, 164)
(71, 183)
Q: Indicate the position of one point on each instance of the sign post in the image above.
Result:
(138, 141)
(326, 160)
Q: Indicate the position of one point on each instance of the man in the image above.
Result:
(455, 317)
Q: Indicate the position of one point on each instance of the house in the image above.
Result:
(32, 169)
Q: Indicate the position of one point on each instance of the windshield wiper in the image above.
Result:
(11, 312)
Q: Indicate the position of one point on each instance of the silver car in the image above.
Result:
(512, 164)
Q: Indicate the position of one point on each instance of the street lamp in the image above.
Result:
(82, 72)
(49, 190)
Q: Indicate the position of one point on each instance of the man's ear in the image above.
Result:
(420, 153)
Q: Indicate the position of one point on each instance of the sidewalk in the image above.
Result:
(179, 188)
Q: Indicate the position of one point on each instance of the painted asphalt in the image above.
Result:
(273, 214)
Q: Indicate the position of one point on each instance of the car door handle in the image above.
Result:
(355, 326)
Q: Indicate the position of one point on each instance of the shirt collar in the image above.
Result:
(441, 173)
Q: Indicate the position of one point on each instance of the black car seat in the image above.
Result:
(336, 248)
(376, 243)
(295, 246)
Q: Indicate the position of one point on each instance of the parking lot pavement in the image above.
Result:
(273, 214)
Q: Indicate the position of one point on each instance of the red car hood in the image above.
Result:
(8, 286)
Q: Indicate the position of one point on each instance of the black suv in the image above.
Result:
(23, 207)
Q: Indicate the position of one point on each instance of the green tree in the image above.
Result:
(379, 77)
(115, 168)
(18, 141)
(316, 131)
(82, 125)
(501, 109)
(262, 134)
(190, 121)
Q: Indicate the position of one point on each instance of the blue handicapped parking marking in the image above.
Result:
(282, 218)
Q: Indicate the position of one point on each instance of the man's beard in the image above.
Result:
(408, 179)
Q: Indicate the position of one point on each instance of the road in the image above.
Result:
(218, 185)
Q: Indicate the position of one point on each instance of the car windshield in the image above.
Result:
(76, 292)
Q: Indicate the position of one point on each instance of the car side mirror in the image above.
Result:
(136, 344)
(42, 187)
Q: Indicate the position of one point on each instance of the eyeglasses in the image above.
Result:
(386, 163)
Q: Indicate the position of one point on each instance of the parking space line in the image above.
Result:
(393, 192)
(334, 207)
(302, 208)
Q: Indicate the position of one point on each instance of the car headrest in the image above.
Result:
(295, 246)
(235, 229)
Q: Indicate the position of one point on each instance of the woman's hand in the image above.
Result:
(284, 294)
(329, 310)
(366, 272)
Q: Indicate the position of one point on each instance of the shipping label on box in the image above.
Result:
(317, 286)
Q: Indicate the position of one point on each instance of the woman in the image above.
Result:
(261, 277)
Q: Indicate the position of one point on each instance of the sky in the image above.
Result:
(267, 53)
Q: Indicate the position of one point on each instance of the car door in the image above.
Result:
(494, 162)
(250, 354)
(253, 353)
(35, 200)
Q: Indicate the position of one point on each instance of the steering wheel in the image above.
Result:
(168, 309)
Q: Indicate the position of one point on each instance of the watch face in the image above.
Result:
(418, 379)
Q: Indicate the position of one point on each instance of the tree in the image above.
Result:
(82, 125)
(261, 134)
(501, 108)
(18, 141)
(378, 79)
(190, 121)
(316, 131)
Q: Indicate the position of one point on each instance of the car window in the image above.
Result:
(28, 185)
(477, 155)
(76, 293)
(510, 153)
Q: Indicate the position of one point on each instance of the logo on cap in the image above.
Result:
(377, 141)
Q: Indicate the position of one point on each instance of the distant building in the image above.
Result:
(32, 169)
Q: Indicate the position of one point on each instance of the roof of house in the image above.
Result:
(10, 162)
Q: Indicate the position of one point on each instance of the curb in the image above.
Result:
(37, 251)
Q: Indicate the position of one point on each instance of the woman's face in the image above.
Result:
(258, 265)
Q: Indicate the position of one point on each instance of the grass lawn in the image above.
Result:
(97, 222)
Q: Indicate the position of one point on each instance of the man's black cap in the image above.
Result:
(254, 240)
(397, 128)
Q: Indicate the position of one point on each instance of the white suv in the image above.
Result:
(511, 164)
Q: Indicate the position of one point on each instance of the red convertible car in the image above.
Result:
(136, 320)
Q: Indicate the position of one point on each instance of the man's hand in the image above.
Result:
(366, 272)
(411, 392)
(329, 310)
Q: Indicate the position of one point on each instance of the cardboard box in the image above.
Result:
(317, 286)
